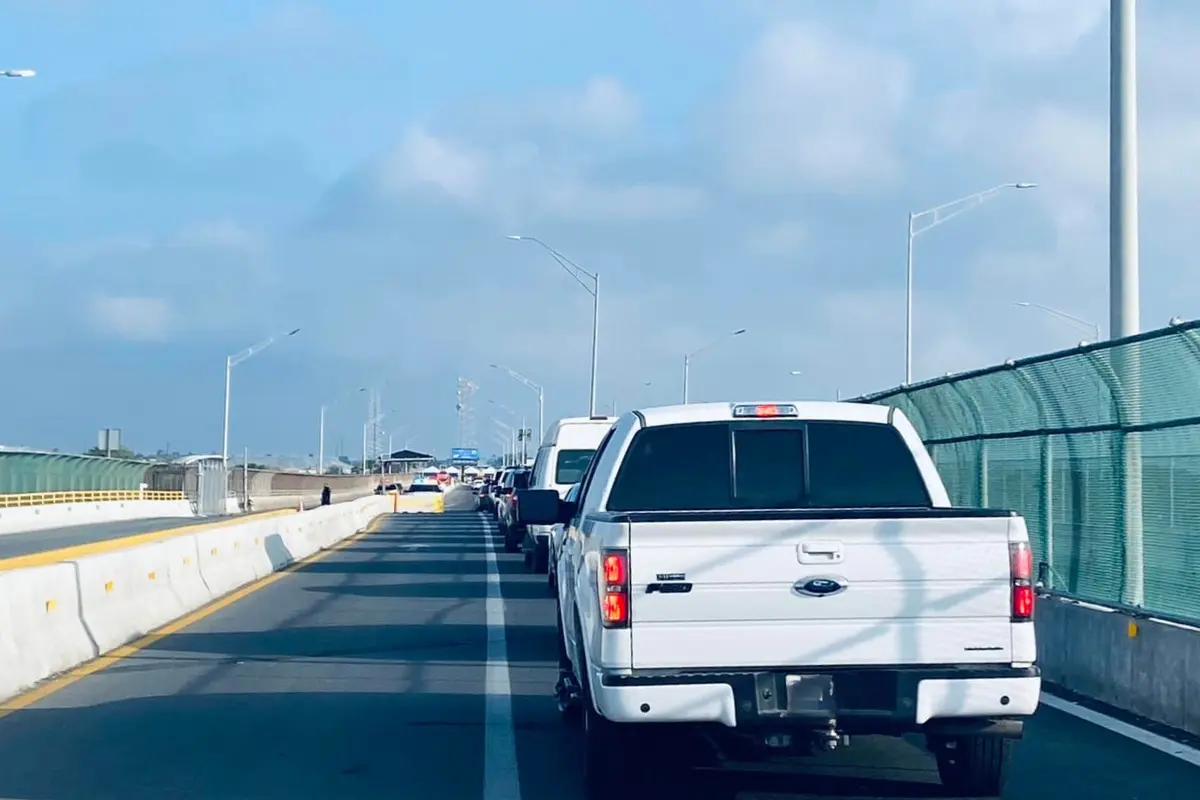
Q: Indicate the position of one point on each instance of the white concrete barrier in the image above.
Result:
(23, 519)
(41, 630)
(57, 616)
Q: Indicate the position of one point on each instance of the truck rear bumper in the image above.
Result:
(944, 700)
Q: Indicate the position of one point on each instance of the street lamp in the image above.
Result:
(687, 359)
(574, 270)
(1083, 324)
(943, 213)
(541, 395)
(321, 441)
(18, 73)
(231, 362)
(510, 434)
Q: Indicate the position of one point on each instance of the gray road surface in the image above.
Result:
(363, 675)
(23, 544)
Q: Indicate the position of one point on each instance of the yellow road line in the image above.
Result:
(102, 662)
(110, 545)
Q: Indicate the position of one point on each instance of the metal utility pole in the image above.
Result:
(1124, 279)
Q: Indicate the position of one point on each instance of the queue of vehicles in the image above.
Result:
(741, 583)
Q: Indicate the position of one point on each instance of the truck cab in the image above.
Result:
(562, 458)
(799, 579)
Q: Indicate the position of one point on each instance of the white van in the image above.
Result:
(563, 457)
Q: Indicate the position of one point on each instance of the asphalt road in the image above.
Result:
(23, 544)
(13, 545)
(365, 675)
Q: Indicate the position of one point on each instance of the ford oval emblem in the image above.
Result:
(819, 587)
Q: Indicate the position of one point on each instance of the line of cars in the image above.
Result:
(563, 457)
(748, 582)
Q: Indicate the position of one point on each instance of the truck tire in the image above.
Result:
(975, 766)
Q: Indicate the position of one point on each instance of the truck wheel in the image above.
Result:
(572, 713)
(975, 766)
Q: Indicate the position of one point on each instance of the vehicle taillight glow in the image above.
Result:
(616, 609)
(1022, 602)
(765, 410)
(614, 569)
(1021, 575)
(614, 577)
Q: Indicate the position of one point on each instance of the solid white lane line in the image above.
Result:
(501, 778)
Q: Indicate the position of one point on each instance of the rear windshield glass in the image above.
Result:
(761, 465)
(520, 480)
(571, 465)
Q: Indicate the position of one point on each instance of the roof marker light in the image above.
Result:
(766, 410)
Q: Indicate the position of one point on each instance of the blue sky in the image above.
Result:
(184, 179)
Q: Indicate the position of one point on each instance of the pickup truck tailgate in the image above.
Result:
(828, 592)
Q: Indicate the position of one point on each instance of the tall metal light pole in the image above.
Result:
(541, 396)
(1124, 277)
(231, 362)
(574, 270)
(939, 214)
(687, 359)
(321, 439)
(1079, 322)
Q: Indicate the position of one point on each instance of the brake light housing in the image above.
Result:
(1021, 576)
(613, 581)
(761, 410)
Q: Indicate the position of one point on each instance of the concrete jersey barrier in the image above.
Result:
(23, 519)
(55, 617)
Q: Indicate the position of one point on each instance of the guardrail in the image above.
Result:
(99, 496)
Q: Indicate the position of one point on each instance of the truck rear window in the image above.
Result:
(723, 466)
(570, 466)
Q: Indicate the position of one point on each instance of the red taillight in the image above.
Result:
(1021, 574)
(614, 566)
(616, 609)
(1022, 602)
(614, 569)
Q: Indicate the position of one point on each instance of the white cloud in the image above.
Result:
(1033, 30)
(531, 158)
(424, 160)
(140, 319)
(603, 107)
(814, 109)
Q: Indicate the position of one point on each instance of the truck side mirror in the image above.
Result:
(538, 507)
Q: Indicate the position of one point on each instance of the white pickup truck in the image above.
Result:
(743, 582)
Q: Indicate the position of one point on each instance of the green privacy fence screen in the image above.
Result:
(1098, 447)
(23, 473)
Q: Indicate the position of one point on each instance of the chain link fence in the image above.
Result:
(1098, 447)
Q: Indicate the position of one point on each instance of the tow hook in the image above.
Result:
(830, 739)
(566, 692)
